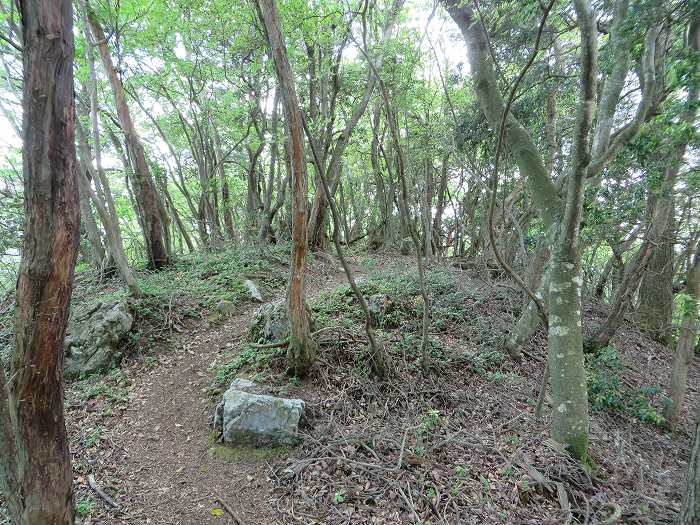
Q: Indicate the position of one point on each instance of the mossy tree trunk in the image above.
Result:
(590, 157)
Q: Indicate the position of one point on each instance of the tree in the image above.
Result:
(36, 472)
(684, 351)
(302, 348)
(153, 228)
(593, 148)
(690, 504)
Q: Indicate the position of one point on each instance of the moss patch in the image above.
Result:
(244, 454)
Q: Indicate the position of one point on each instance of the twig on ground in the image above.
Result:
(101, 493)
(228, 509)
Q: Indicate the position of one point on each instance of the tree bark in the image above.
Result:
(36, 470)
(98, 253)
(656, 289)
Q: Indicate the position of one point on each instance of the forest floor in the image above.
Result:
(459, 445)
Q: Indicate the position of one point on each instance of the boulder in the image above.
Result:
(379, 306)
(224, 308)
(253, 291)
(247, 417)
(94, 338)
(270, 323)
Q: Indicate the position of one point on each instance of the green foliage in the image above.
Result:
(251, 359)
(113, 387)
(198, 281)
(485, 363)
(429, 422)
(606, 391)
(450, 304)
(92, 438)
(84, 507)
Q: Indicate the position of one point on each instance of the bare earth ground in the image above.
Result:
(459, 446)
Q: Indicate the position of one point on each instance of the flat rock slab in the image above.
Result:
(247, 417)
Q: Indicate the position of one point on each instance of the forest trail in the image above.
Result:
(167, 471)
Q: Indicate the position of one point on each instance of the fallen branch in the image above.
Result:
(101, 493)
(228, 509)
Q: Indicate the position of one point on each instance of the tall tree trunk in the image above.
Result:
(36, 472)
(98, 250)
(565, 353)
(107, 213)
(440, 207)
(690, 504)
(656, 289)
(684, 353)
(143, 183)
(427, 211)
(302, 349)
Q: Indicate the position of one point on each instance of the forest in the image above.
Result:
(419, 262)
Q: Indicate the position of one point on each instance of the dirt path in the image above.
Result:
(168, 472)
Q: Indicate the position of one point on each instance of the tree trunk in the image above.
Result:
(302, 349)
(684, 353)
(656, 290)
(440, 208)
(36, 471)
(98, 253)
(144, 186)
(690, 504)
(108, 215)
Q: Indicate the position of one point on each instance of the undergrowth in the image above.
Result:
(196, 282)
(607, 391)
(190, 286)
(251, 359)
(450, 303)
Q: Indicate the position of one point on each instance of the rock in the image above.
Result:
(94, 338)
(224, 308)
(379, 305)
(245, 385)
(245, 417)
(270, 323)
(253, 291)
(406, 246)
